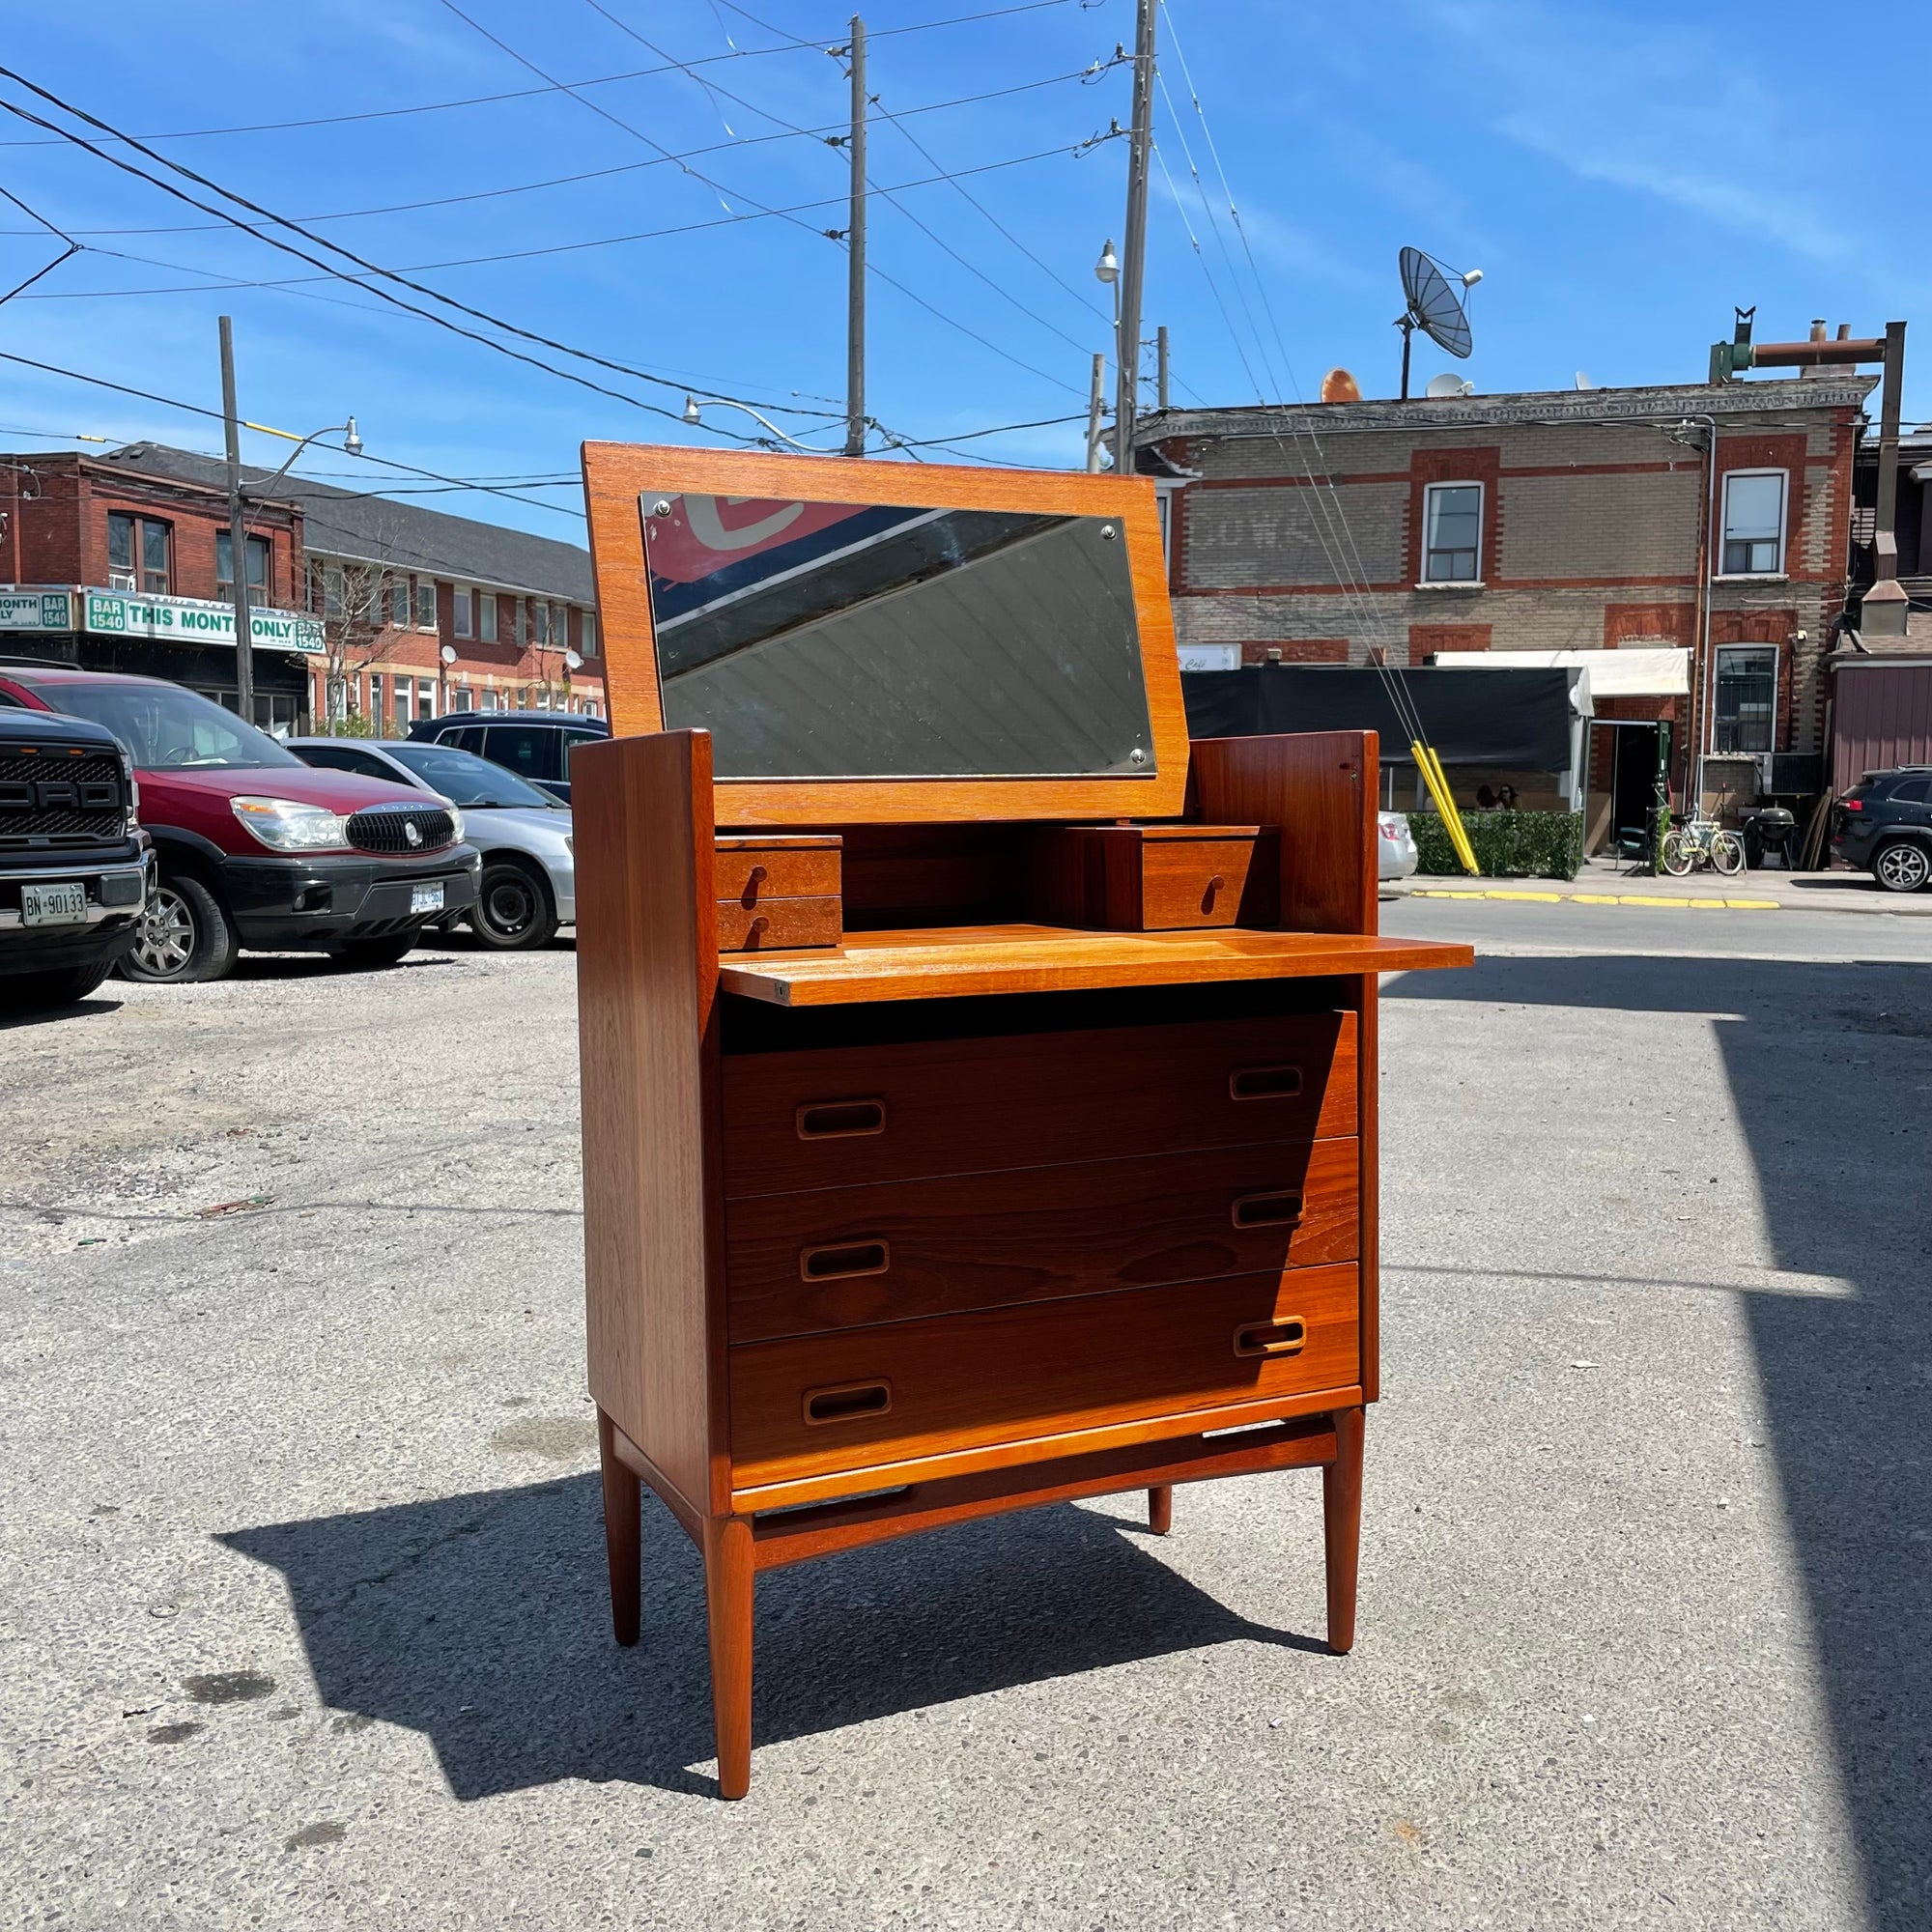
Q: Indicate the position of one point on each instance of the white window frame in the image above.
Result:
(1428, 491)
(485, 606)
(463, 621)
(587, 624)
(1757, 649)
(425, 604)
(1725, 523)
(425, 698)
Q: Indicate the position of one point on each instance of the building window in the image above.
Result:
(1746, 713)
(540, 622)
(462, 626)
(333, 601)
(1452, 520)
(425, 700)
(137, 553)
(559, 626)
(486, 617)
(258, 567)
(425, 605)
(588, 622)
(1753, 522)
(399, 602)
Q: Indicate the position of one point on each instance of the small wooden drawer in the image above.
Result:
(845, 1257)
(1161, 878)
(860, 1397)
(773, 925)
(751, 870)
(850, 1116)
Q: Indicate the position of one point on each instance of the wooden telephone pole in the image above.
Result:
(855, 243)
(1133, 258)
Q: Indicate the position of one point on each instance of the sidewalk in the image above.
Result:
(1602, 882)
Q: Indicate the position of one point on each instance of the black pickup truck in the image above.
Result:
(76, 870)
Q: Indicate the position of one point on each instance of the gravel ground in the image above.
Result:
(302, 1618)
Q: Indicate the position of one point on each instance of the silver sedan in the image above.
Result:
(528, 887)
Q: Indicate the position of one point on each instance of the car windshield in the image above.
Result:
(167, 728)
(468, 781)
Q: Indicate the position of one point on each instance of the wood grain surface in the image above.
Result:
(1320, 789)
(647, 1033)
(949, 963)
(1010, 1373)
(751, 869)
(777, 926)
(1037, 1234)
(615, 476)
(1036, 1100)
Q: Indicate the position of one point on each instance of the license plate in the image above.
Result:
(61, 905)
(426, 898)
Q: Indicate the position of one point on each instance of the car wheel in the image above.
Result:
(366, 954)
(514, 910)
(1902, 867)
(184, 936)
(39, 992)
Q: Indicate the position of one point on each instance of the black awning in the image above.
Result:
(1515, 720)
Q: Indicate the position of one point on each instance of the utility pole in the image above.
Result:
(1133, 256)
(855, 268)
(238, 534)
(1096, 401)
(1160, 365)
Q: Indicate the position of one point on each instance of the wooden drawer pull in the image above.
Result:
(839, 1261)
(1271, 1338)
(1265, 1082)
(754, 879)
(847, 1403)
(840, 1120)
(1267, 1211)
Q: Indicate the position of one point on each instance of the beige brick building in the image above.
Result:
(1712, 518)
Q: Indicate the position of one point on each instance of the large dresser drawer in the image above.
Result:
(836, 1258)
(862, 1397)
(851, 1116)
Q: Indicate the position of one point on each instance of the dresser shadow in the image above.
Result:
(483, 1622)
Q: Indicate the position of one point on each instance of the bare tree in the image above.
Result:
(357, 598)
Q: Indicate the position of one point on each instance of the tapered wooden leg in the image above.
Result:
(622, 1533)
(728, 1594)
(1342, 1527)
(1161, 1508)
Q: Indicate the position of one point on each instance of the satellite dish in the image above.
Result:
(1441, 387)
(1434, 298)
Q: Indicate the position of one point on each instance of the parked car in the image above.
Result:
(75, 869)
(535, 745)
(1884, 826)
(1395, 845)
(252, 847)
(528, 886)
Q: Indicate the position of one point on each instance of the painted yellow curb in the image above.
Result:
(1600, 898)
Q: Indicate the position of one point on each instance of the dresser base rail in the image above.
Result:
(736, 1547)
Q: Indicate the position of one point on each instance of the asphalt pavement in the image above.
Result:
(302, 1612)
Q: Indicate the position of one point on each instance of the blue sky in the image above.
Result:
(1621, 172)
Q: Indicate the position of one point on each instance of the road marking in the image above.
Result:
(1600, 898)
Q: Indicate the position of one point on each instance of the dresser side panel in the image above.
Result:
(647, 1027)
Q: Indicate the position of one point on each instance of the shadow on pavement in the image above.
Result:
(483, 1621)
(96, 1006)
(1830, 1070)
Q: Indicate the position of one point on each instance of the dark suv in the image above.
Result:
(535, 745)
(74, 869)
(1883, 825)
(253, 847)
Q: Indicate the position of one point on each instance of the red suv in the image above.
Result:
(254, 847)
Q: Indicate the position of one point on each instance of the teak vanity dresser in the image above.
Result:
(979, 1088)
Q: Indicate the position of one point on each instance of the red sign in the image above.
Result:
(702, 535)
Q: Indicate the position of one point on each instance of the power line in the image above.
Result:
(532, 93)
(787, 134)
(242, 201)
(72, 246)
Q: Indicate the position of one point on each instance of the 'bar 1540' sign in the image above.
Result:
(190, 621)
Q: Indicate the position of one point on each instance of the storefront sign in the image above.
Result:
(35, 610)
(187, 620)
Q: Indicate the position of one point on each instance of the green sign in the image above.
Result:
(35, 610)
(188, 620)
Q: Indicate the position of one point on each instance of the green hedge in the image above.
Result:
(1509, 844)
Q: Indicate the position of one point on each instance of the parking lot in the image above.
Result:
(302, 1611)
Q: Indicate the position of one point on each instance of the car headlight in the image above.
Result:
(287, 825)
(455, 822)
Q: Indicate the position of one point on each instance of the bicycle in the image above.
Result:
(1697, 841)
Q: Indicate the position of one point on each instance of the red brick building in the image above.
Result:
(1714, 519)
(373, 610)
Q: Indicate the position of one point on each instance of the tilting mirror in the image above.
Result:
(822, 640)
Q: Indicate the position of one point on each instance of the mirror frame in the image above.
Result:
(617, 475)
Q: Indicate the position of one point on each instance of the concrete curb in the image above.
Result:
(1603, 898)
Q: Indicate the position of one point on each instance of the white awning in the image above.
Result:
(1637, 671)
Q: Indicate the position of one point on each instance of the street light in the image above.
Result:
(693, 414)
(238, 538)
